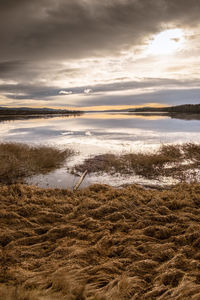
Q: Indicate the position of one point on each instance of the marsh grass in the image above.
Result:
(169, 160)
(99, 243)
(192, 152)
(19, 160)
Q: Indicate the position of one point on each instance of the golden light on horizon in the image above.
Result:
(125, 116)
(114, 107)
(166, 42)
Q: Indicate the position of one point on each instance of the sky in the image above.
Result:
(93, 54)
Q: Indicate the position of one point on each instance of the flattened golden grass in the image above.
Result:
(99, 243)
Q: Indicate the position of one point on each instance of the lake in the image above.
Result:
(98, 133)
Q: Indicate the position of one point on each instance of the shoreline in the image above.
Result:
(47, 166)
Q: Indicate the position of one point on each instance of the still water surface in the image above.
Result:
(96, 133)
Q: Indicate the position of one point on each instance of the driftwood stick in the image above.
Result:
(80, 181)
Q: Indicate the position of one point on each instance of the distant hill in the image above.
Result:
(35, 111)
(186, 108)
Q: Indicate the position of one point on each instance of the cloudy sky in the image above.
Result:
(99, 53)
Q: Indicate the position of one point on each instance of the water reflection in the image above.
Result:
(104, 130)
(98, 133)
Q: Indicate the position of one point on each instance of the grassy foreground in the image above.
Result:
(167, 161)
(18, 161)
(99, 243)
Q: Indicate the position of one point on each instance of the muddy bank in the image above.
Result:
(161, 168)
(100, 243)
(169, 160)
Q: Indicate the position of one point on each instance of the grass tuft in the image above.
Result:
(167, 161)
(19, 160)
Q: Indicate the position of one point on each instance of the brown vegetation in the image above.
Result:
(19, 160)
(100, 243)
(36, 111)
(184, 109)
(167, 161)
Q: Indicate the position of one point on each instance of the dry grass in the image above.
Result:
(19, 160)
(192, 152)
(100, 243)
(167, 161)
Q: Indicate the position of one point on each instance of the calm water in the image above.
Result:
(97, 133)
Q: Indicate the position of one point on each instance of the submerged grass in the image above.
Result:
(99, 243)
(167, 161)
(19, 160)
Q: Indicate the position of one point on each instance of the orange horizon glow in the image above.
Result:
(117, 107)
(117, 116)
(99, 107)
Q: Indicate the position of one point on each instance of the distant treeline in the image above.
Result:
(186, 108)
(24, 112)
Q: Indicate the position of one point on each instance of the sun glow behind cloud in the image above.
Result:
(164, 50)
(94, 83)
(167, 42)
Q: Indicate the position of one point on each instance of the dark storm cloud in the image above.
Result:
(23, 91)
(38, 40)
(55, 29)
(165, 96)
(32, 71)
(8, 66)
(33, 91)
(14, 70)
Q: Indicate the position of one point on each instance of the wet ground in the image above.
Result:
(98, 133)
